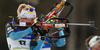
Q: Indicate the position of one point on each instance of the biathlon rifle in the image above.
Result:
(52, 19)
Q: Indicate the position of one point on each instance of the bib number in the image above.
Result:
(22, 42)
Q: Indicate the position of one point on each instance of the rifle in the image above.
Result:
(52, 19)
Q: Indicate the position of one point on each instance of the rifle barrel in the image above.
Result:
(79, 24)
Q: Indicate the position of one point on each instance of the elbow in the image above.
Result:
(13, 36)
(64, 43)
(61, 42)
(14, 39)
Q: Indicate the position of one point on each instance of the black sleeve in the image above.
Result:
(8, 29)
(68, 29)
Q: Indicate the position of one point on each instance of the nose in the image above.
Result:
(99, 45)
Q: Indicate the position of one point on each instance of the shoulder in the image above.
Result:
(9, 24)
(9, 28)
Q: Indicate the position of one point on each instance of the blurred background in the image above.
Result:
(83, 12)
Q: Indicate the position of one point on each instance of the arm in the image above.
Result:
(59, 42)
(41, 39)
(16, 35)
(40, 44)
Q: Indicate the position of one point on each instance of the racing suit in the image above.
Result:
(20, 38)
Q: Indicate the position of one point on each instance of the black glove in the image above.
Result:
(35, 28)
(38, 29)
(42, 31)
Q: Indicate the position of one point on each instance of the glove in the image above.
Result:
(35, 28)
(42, 31)
(38, 29)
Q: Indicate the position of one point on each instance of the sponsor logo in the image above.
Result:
(24, 35)
(22, 24)
(20, 48)
(47, 25)
(45, 42)
(10, 30)
(59, 25)
(30, 12)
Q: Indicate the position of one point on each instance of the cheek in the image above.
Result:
(96, 46)
(93, 48)
(32, 21)
(27, 20)
(24, 20)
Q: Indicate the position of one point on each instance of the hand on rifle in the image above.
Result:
(39, 29)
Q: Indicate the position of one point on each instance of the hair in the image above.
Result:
(88, 39)
(24, 7)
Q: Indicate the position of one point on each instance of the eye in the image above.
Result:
(27, 8)
(99, 42)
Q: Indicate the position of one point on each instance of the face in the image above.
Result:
(96, 46)
(27, 20)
